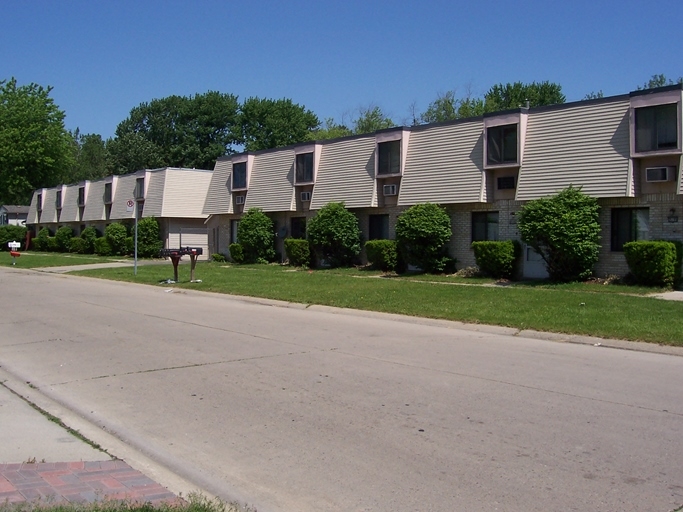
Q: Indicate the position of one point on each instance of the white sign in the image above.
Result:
(129, 205)
(13, 245)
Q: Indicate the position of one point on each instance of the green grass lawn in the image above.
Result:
(50, 259)
(608, 311)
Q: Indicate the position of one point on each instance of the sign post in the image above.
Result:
(131, 206)
(14, 250)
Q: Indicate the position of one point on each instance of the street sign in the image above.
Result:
(14, 245)
(129, 205)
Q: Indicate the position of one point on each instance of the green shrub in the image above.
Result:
(90, 234)
(130, 246)
(382, 254)
(255, 235)
(78, 245)
(497, 259)
(40, 242)
(678, 273)
(298, 252)
(652, 263)
(564, 230)
(52, 244)
(63, 237)
(236, 253)
(218, 257)
(116, 235)
(11, 233)
(335, 235)
(149, 239)
(102, 247)
(422, 232)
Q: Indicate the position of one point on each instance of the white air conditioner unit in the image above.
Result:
(655, 174)
(305, 197)
(239, 199)
(390, 190)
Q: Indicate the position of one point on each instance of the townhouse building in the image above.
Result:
(626, 151)
(172, 195)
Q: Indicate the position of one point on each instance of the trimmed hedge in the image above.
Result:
(334, 235)
(298, 252)
(497, 258)
(652, 263)
(422, 235)
(218, 257)
(382, 254)
(11, 233)
(116, 234)
(149, 238)
(90, 234)
(236, 253)
(52, 244)
(78, 245)
(40, 242)
(102, 246)
(63, 237)
(255, 235)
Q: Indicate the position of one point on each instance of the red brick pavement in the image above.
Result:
(56, 482)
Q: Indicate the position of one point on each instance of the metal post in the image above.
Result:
(135, 254)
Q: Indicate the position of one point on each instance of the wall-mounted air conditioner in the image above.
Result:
(390, 190)
(305, 197)
(656, 174)
(239, 199)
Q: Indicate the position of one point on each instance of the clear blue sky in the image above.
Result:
(105, 57)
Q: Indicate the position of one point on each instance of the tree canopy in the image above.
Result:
(660, 80)
(90, 158)
(35, 147)
(370, 119)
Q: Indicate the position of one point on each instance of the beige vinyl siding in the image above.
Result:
(155, 194)
(94, 202)
(49, 211)
(70, 204)
(585, 146)
(444, 164)
(271, 182)
(194, 234)
(346, 173)
(125, 190)
(218, 196)
(33, 208)
(184, 193)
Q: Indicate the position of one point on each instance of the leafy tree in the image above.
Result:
(256, 236)
(115, 234)
(422, 232)
(176, 131)
(515, 95)
(149, 241)
(564, 230)
(90, 158)
(659, 81)
(89, 234)
(265, 123)
(35, 148)
(335, 235)
(11, 233)
(594, 95)
(370, 119)
(330, 130)
(447, 107)
(63, 236)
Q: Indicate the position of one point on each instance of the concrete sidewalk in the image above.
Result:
(41, 460)
(110, 264)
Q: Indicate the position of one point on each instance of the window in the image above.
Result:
(656, 128)
(389, 157)
(107, 193)
(484, 226)
(629, 225)
(501, 144)
(58, 200)
(239, 176)
(379, 227)
(234, 225)
(506, 183)
(140, 188)
(81, 196)
(304, 168)
(39, 203)
(298, 227)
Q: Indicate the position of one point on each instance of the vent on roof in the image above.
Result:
(655, 174)
(390, 190)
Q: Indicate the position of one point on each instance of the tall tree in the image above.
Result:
(266, 123)
(659, 81)
(370, 119)
(176, 131)
(35, 148)
(330, 130)
(447, 107)
(90, 157)
(515, 95)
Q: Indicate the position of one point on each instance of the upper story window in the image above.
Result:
(389, 157)
(239, 176)
(501, 144)
(656, 127)
(107, 193)
(304, 168)
(58, 200)
(140, 188)
(39, 203)
(81, 196)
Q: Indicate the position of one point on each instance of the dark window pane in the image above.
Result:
(379, 227)
(501, 144)
(629, 225)
(484, 226)
(656, 127)
(389, 157)
(239, 175)
(304, 168)
(298, 227)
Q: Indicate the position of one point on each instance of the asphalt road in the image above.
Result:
(305, 409)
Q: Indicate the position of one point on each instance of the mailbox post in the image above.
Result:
(14, 250)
